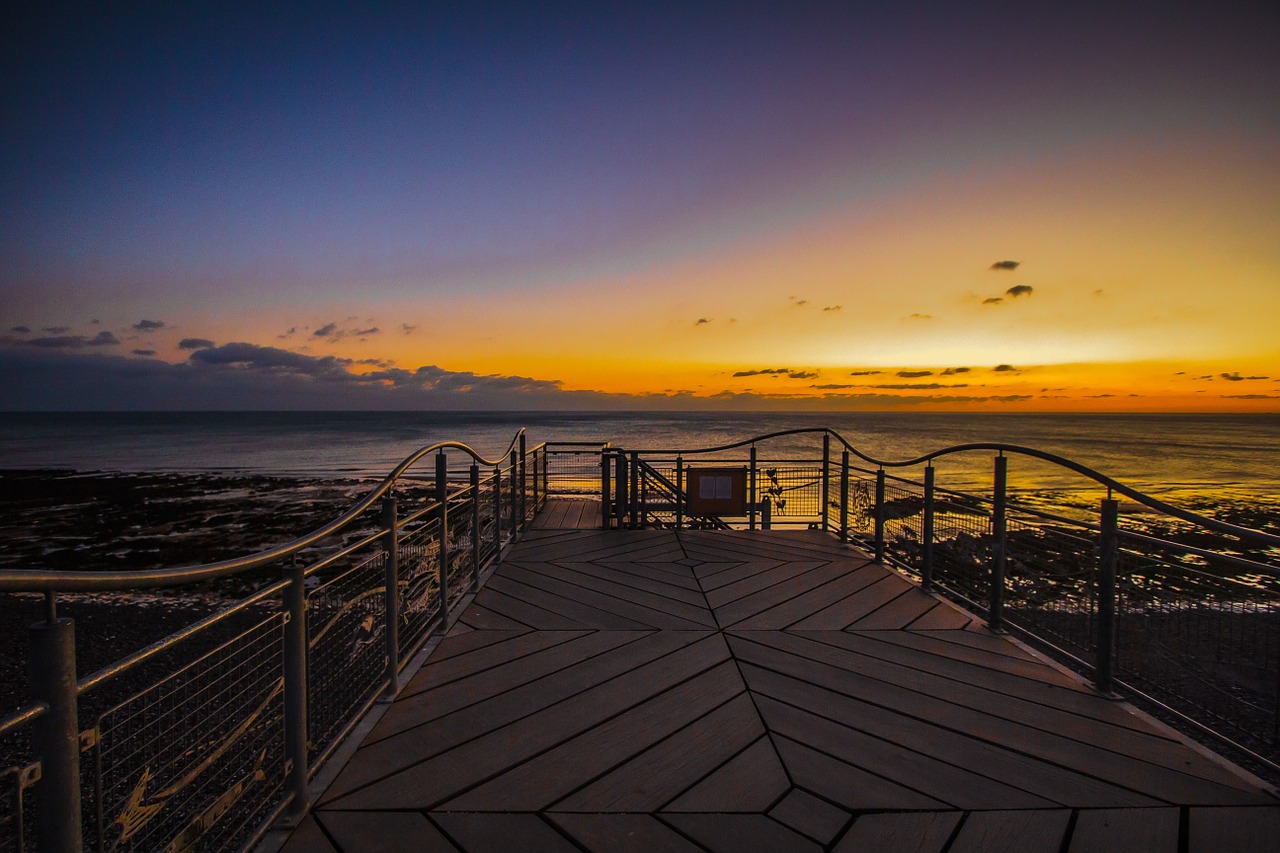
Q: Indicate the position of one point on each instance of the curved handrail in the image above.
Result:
(1112, 484)
(42, 580)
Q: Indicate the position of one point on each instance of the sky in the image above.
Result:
(773, 206)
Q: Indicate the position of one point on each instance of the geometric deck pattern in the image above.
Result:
(769, 690)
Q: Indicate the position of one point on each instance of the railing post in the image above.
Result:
(766, 515)
(995, 615)
(497, 509)
(751, 491)
(391, 594)
(606, 511)
(926, 532)
(295, 692)
(535, 478)
(442, 497)
(474, 481)
(844, 497)
(515, 490)
(635, 490)
(620, 503)
(879, 517)
(524, 482)
(826, 479)
(1109, 555)
(56, 735)
(679, 492)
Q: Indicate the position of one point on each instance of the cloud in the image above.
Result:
(148, 325)
(952, 371)
(365, 332)
(773, 371)
(408, 329)
(923, 386)
(702, 321)
(1004, 265)
(834, 387)
(56, 330)
(325, 331)
(101, 339)
(1019, 290)
(144, 352)
(1232, 377)
(866, 372)
(919, 317)
(797, 303)
(914, 374)
(802, 374)
(254, 357)
(833, 308)
(1250, 396)
(195, 343)
(993, 300)
(21, 330)
(293, 330)
(1003, 368)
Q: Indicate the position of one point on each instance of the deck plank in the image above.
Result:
(731, 690)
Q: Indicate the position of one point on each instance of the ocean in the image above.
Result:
(1182, 455)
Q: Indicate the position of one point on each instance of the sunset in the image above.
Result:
(822, 208)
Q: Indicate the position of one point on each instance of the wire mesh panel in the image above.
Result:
(419, 580)
(962, 544)
(195, 762)
(572, 471)
(17, 782)
(903, 523)
(490, 532)
(346, 624)
(794, 491)
(461, 550)
(1051, 581)
(1204, 639)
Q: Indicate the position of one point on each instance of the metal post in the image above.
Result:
(497, 510)
(295, 692)
(844, 496)
(56, 735)
(535, 477)
(879, 517)
(766, 515)
(474, 480)
(442, 497)
(751, 491)
(605, 509)
(679, 492)
(826, 479)
(620, 503)
(524, 482)
(995, 615)
(926, 532)
(635, 490)
(1108, 559)
(515, 489)
(391, 594)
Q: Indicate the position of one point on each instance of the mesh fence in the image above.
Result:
(419, 577)
(346, 634)
(572, 471)
(194, 762)
(1051, 581)
(17, 786)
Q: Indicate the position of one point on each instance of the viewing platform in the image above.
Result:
(784, 643)
(645, 690)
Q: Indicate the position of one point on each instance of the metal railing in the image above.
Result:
(207, 737)
(1170, 607)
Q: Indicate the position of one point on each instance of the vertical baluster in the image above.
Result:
(995, 614)
(1108, 557)
(295, 692)
(844, 496)
(635, 489)
(515, 491)
(679, 492)
(391, 595)
(624, 491)
(826, 480)
(879, 515)
(442, 497)
(56, 734)
(524, 484)
(605, 508)
(751, 491)
(497, 510)
(474, 480)
(926, 532)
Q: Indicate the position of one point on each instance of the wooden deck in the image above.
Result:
(742, 691)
